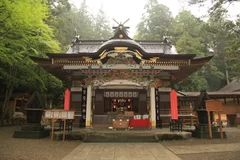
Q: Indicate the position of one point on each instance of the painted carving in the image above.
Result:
(120, 58)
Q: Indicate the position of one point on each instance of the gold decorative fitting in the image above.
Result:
(121, 27)
(138, 54)
(120, 49)
(87, 59)
(120, 36)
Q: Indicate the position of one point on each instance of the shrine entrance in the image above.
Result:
(111, 104)
(120, 100)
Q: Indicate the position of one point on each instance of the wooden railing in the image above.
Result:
(187, 116)
(181, 112)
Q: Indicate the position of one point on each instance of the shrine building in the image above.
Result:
(120, 75)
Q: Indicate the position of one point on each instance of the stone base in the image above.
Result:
(32, 127)
(33, 130)
(202, 132)
(31, 134)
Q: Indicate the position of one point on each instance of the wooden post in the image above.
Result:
(209, 125)
(52, 129)
(220, 125)
(64, 129)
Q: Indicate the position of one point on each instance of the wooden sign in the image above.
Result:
(213, 105)
(59, 114)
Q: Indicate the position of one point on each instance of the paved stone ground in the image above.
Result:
(196, 149)
(206, 149)
(192, 149)
(121, 151)
(234, 147)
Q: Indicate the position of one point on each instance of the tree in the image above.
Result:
(101, 26)
(156, 22)
(187, 34)
(191, 36)
(23, 32)
(216, 5)
(69, 22)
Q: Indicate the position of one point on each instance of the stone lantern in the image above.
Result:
(34, 109)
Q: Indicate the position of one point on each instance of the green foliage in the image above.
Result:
(101, 28)
(218, 34)
(216, 5)
(70, 22)
(196, 82)
(23, 32)
(188, 35)
(156, 22)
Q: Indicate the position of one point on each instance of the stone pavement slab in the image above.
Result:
(206, 148)
(121, 151)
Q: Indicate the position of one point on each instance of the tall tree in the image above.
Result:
(190, 35)
(22, 32)
(216, 5)
(156, 22)
(187, 36)
(101, 26)
(224, 34)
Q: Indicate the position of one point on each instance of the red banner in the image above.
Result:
(67, 100)
(174, 104)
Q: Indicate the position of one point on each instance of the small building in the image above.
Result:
(120, 74)
(230, 104)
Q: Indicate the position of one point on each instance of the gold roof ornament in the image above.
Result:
(120, 36)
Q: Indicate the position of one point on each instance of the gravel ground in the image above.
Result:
(32, 149)
(45, 149)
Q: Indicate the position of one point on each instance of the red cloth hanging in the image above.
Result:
(67, 100)
(174, 104)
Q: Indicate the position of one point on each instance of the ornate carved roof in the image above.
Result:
(151, 61)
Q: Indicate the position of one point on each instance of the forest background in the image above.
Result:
(36, 27)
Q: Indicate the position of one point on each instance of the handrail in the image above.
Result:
(188, 112)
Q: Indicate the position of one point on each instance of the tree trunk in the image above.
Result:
(5, 103)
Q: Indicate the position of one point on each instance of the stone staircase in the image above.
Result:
(101, 121)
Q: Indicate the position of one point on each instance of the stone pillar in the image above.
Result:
(88, 108)
(153, 107)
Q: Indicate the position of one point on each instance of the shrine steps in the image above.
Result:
(107, 135)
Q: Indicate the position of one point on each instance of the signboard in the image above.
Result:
(59, 114)
(238, 115)
(213, 105)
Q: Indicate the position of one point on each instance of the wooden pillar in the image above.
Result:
(209, 125)
(64, 129)
(52, 134)
(152, 107)
(220, 125)
(88, 108)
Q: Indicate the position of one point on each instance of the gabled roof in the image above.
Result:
(120, 39)
(212, 95)
(233, 86)
(155, 60)
(36, 102)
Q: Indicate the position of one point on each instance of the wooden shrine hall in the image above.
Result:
(120, 78)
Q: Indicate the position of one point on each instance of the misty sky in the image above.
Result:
(121, 10)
